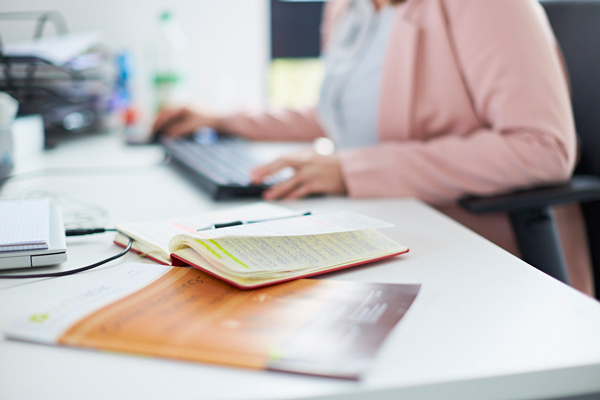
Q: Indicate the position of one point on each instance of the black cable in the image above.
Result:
(73, 271)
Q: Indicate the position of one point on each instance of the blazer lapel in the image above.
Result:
(398, 81)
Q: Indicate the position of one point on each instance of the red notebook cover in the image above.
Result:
(177, 261)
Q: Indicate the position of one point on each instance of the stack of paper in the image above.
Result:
(58, 50)
(25, 225)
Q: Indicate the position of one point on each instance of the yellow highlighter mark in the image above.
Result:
(228, 254)
(274, 354)
(209, 248)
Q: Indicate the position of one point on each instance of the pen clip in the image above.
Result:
(227, 224)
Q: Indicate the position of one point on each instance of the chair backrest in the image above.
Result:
(576, 24)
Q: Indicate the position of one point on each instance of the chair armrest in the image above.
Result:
(580, 189)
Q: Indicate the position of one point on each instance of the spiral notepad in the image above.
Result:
(25, 225)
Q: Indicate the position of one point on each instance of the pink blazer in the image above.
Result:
(474, 100)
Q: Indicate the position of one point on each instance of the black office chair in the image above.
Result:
(576, 24)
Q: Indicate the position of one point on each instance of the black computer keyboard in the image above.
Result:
(221, 164)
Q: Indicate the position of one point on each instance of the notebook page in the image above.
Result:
(25, 224)
(315, 224)
(160, 233)
(256, 255)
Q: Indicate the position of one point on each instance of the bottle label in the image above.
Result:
(167, 78)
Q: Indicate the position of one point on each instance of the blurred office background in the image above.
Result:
(229, 42)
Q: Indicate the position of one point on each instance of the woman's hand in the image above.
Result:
(314, 174)
(183, 120)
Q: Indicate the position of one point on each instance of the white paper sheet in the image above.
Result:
(25, 224)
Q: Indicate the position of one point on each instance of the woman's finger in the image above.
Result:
(280, 190)
(165, 117)
(260, 173)
(181, 127)
(302, 190)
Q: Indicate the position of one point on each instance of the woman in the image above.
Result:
(433, 99)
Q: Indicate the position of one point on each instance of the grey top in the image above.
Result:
(349, 98)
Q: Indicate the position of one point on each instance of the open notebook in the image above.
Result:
(284, 245)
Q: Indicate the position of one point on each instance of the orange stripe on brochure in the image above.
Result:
(187, 314)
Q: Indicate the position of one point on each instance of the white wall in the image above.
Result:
(229, 40)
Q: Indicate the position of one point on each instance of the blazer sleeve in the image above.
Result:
(274, 125)
(510, 67)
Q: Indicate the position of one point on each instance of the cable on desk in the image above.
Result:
(73, 271)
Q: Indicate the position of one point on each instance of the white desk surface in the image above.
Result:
(485, 325)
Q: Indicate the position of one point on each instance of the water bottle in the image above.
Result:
(172, 62)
